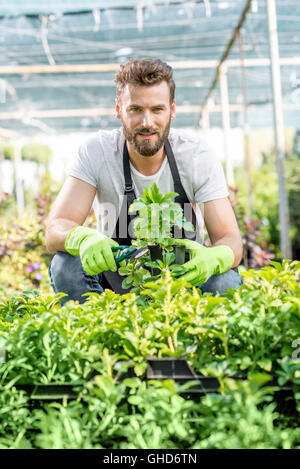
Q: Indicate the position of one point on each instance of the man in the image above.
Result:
(113, 168)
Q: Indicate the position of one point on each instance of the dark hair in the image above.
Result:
(146, 72)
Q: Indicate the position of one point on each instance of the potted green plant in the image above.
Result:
(158, 214)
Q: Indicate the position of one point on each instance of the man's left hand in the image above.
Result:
(205, 261)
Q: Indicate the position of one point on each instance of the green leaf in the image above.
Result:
(127, 282)
(135, 400)
(124, 270)
(169, 195)
(136, 206)
(188, 226)
(152, 264)
(149, 331)
(132, 382)
(105, 383)
(258, 380)
(140, 369)
(276, 303)
(246, 362)
(282, 380)
(169, 257)
(265, 364)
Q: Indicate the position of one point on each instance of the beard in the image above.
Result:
(146, 147)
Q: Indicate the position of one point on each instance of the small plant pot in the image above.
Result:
(157, 254)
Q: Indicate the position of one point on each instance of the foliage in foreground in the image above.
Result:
(135, 415)
(252, 332)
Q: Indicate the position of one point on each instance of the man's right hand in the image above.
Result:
(94, 249)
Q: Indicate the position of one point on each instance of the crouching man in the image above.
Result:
(114, 166)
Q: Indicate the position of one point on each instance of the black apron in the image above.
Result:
(125, 219)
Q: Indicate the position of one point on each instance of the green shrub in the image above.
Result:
(266, 202)
(36, 152)
(252, 332)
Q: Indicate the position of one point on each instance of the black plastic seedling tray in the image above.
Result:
(180, 371)
(176, 369)
(49, 392)
(169, 368)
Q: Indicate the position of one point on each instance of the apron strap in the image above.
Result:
(174, 170)
(125, 218)
(127, 174)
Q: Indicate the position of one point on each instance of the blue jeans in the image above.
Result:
(67, 276)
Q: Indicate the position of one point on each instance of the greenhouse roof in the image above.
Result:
(58, 59)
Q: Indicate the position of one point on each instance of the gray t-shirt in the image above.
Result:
(99, 162)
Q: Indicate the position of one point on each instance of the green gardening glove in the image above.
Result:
(94, 249)
(205, 262)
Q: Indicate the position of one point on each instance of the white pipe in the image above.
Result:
(226, 124)
(285, 242)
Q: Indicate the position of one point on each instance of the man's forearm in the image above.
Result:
(56, 234)
(236, 244)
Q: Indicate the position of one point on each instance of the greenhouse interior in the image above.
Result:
(153, 343)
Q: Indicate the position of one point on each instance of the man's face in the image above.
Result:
(146, 114)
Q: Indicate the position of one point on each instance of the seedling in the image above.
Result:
(157, 216)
